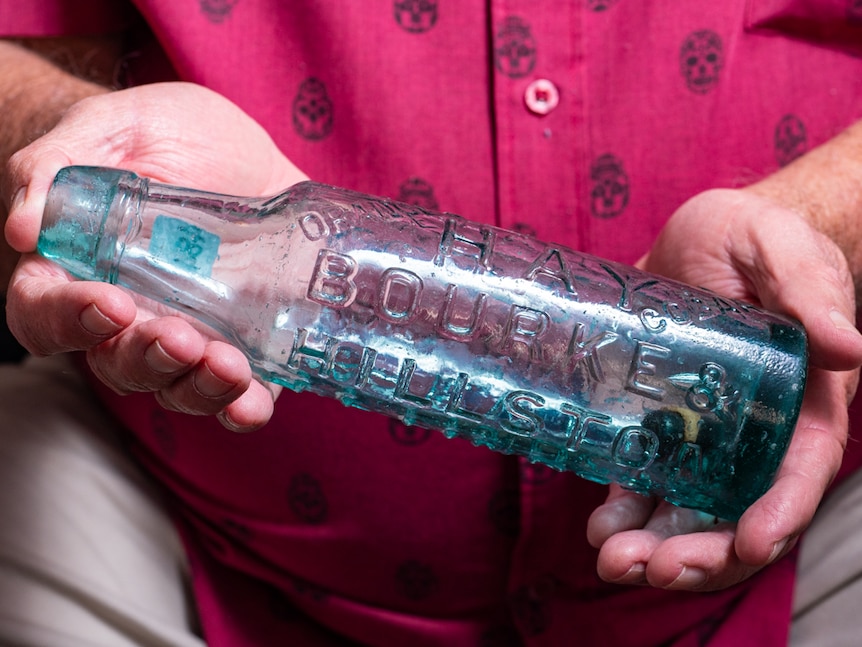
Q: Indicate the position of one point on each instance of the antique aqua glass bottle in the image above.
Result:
(524, 347)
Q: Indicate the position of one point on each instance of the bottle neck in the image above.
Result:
(121, 228)
(190, 250)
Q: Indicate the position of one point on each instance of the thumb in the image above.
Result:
(802, 273)
(27, 180)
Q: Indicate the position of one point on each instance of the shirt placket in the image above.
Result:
(540, 151)
(538, 108)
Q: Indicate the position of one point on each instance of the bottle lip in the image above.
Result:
(75, 231)
(790, 342)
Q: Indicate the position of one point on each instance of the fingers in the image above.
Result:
(694, 561)
(639, 539)
(149, 356)
(676, 549)
(771, 256)
(48, 314)
(207, 387)
(252, 410)
(621, 511)
(669, 547)
(186, 372)
(168, 356)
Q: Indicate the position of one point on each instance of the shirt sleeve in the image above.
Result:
(46, 18)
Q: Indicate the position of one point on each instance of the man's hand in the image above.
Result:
(742, 245)
(175, 133)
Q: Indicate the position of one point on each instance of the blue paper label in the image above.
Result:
(177, 242)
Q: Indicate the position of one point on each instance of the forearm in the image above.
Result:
(825, 186)
(38, 81)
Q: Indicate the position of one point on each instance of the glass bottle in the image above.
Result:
(525, 347)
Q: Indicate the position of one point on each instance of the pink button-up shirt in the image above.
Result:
(585, 122)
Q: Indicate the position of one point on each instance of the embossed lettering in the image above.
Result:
(587, 351)
(451, 324)
(314, 226)
(678, 313)
(589, 426)
(635, 447)
(399, 295)
(452, 242)
(403, 383)
(551, 264)
(629, 286)
(642, 368)
(315, 358)
(332, 280)
(319, 225)
(453, 405)
(524, 329)
(344, 361)
(652, 320)
(351, 362)
(369, 356)
(520, 407)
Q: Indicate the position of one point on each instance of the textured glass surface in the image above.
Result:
(525, 347)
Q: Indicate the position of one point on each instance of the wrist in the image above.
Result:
(34, 94)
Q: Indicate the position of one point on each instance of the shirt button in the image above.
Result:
(541, 96)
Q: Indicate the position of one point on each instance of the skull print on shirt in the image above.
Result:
(701, 58)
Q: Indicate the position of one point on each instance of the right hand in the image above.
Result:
(175, 133)
(746, 247)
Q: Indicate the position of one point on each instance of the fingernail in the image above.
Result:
(777, 548)
(231, 425)
(210, 386)
(635, 575)
(689, 578)
(96, 323)
(841, 322)
(18, 198)
(160, 361)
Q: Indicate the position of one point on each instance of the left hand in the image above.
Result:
(747, 247)
(176, 133)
